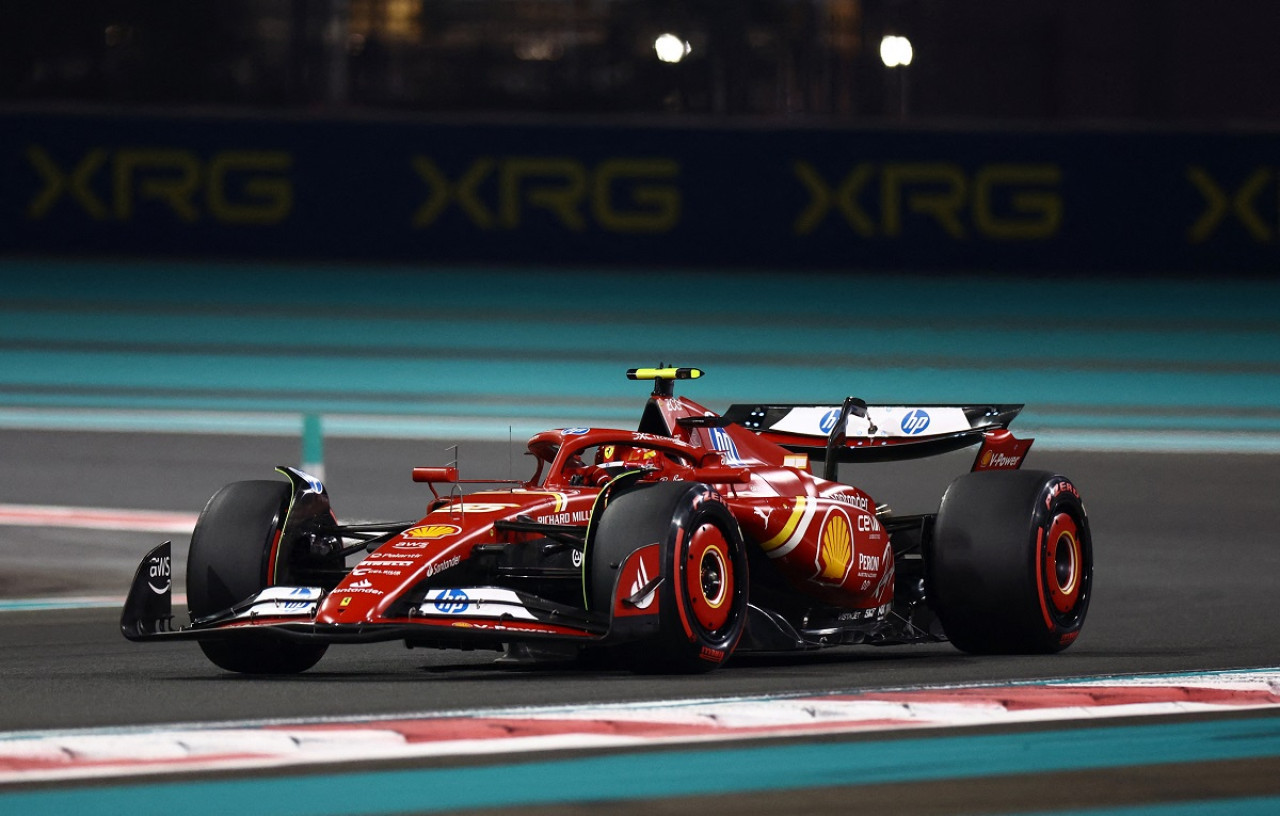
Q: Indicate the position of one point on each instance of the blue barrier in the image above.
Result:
(423, 191)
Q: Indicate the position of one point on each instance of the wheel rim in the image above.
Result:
(709, 578)
(1063, 564)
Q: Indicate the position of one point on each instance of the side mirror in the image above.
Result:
(435, 474)
(720, 474)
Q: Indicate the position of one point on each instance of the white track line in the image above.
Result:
(97, 518)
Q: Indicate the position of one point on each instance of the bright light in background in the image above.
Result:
(671, 48)
(539, 50)
(895, 51)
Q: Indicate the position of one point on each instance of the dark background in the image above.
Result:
(1025, 136)
(1178, 62)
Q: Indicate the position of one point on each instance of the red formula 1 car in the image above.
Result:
(667, 549)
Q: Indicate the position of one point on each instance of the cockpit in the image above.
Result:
(580, 457)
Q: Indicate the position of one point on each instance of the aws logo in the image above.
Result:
(159, 573)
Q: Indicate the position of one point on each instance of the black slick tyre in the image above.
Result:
(1009, 569)
(702, 597)
(231, 548)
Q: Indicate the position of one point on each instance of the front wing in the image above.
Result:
(446, 616)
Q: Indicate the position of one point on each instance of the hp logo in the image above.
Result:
(828, 420)
(452, 601)
(915, 421)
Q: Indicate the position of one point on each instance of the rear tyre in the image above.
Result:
(1010, 566)
(702, 597)
(229, 561)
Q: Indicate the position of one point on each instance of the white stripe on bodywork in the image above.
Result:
(810, 508)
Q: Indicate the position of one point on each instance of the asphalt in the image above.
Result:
(1184, 582)
(148, 386)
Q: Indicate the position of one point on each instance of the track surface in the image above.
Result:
(1104, 362)
(1185, 542)
(1185, 581)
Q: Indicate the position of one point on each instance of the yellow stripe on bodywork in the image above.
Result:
(559, 497)
(789, 528)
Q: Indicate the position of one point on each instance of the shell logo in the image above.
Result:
(835, 549)
(430, 532)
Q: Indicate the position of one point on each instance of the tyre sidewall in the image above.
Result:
(667, 514)
(709, 647)
(233, 543)
(986, 569)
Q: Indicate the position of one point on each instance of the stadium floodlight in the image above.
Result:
(671, 47)
(895, 51)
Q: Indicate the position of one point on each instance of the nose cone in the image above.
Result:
(349, 605)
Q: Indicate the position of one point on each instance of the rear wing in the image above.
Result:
(857, 432)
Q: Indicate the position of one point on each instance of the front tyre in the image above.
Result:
(702, 597)
(231, 548)
(1010, 566)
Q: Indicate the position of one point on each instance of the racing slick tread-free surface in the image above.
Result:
(990, 569)
(227, 563)
(670, 514)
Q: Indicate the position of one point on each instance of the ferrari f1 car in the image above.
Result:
(667, 549)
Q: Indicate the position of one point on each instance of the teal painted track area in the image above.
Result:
(486, 352)
(617, 778)
(483, 352)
